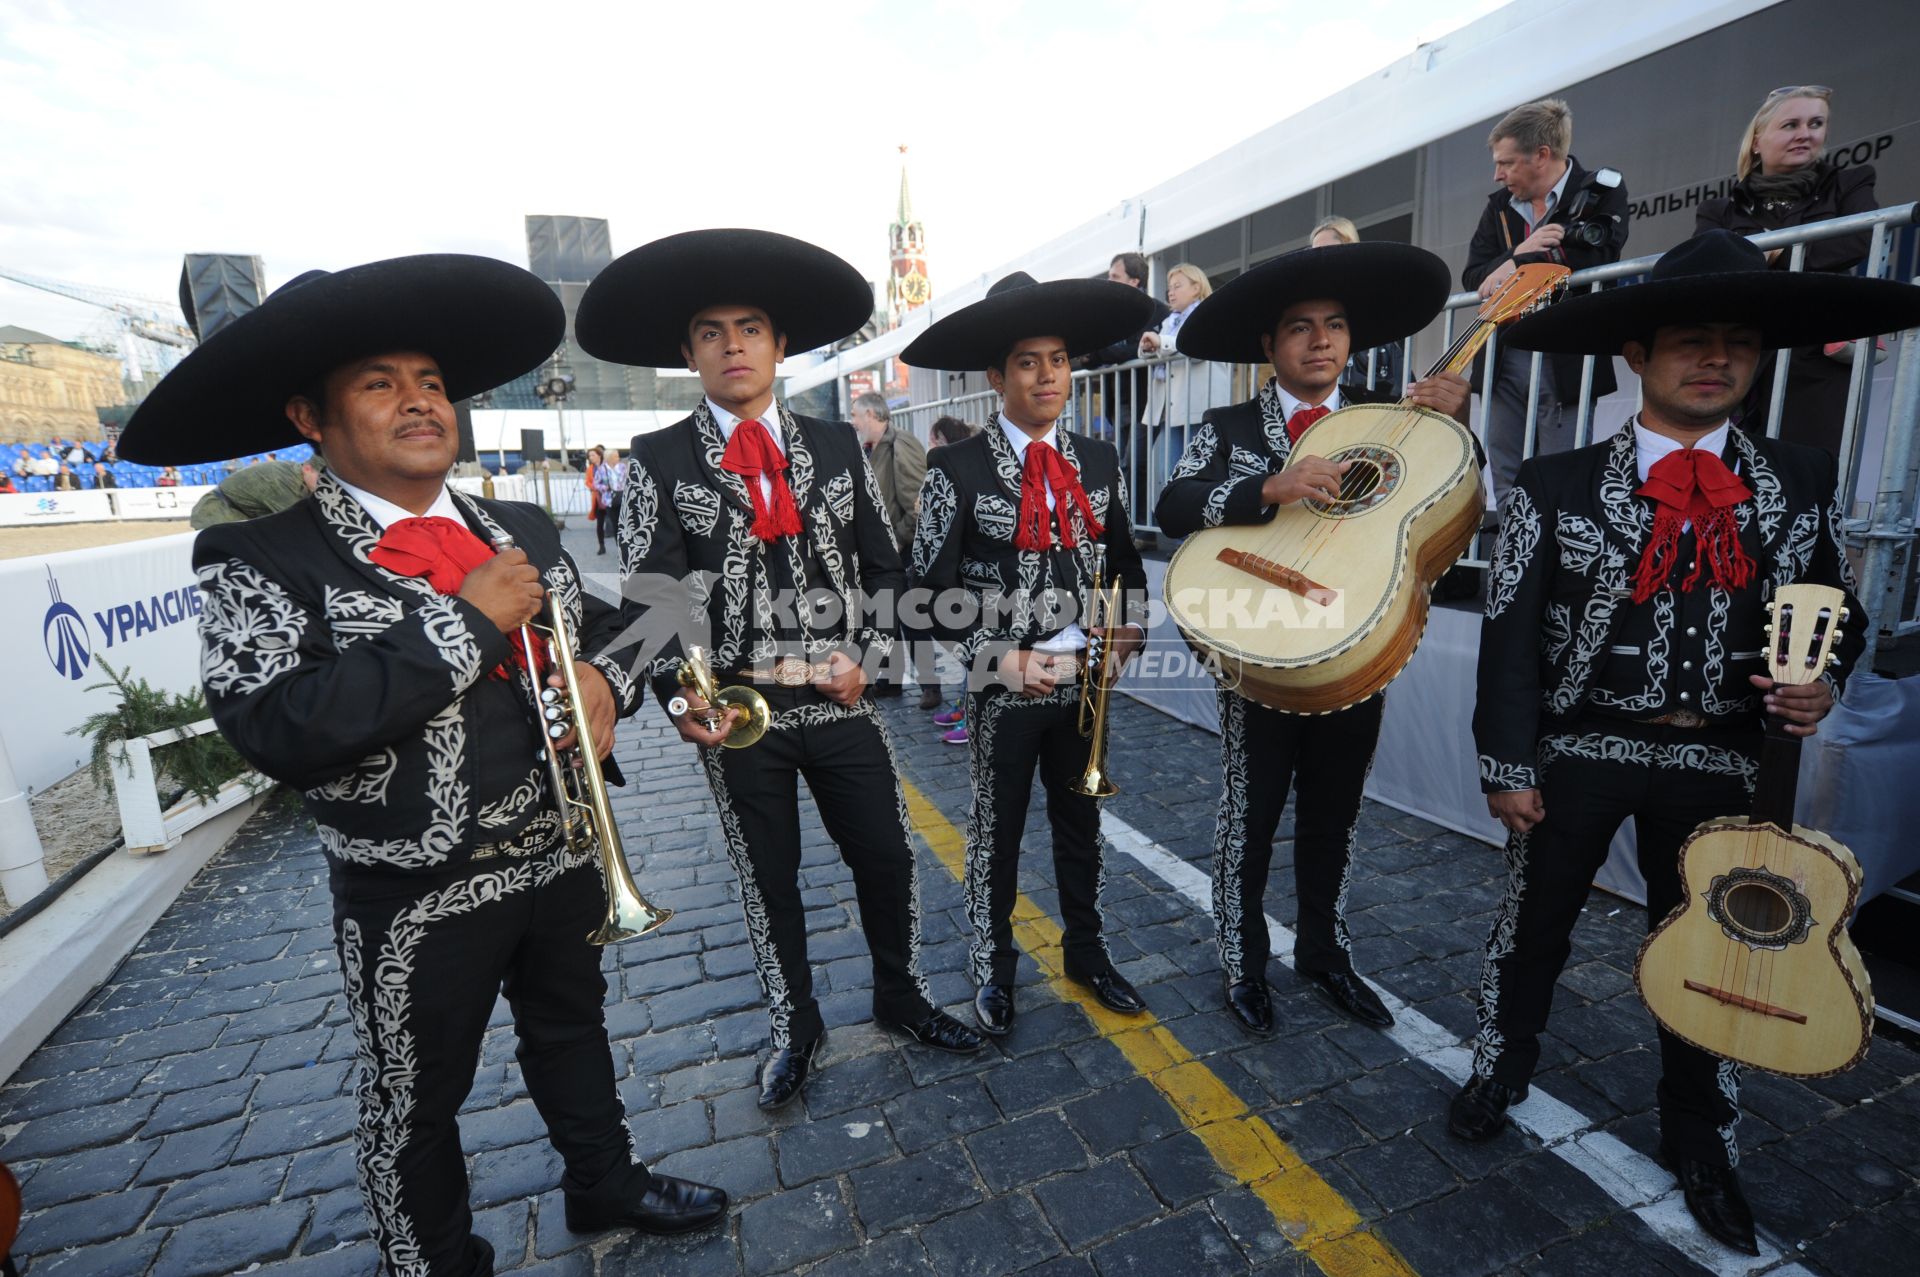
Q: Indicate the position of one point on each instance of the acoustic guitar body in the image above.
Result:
(1756, 964)
(1324, 606)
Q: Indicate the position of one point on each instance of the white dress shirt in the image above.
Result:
(770, 419)
(1525, 207)
(1650, 449)
(1073, 638)
(386, 513)
(1289, 405)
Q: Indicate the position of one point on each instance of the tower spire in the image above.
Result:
(907, 286)
(905, 215)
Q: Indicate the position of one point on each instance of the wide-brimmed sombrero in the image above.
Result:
(484, 321)
(1084, 313)
(1389, 290)
(1719, 277)
(637, 309)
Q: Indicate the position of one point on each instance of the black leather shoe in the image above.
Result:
(1112, 990)
(1479, 1111)
(1715, 1200)
(1349, 993)
(1251, 1002)
(886, 689)
(993, 1009)
(939, 1030)
(785, 1072)
(667, 1206)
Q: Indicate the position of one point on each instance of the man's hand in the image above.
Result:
(1028, 672)
(1798, 707)
(507, 588)
(599, 706)
(845, 679)
(1314, 477)
(1444, 392)
(1545, 236)
(1497, 276)
(1517, 809)
(691, 724)
(1123, 643)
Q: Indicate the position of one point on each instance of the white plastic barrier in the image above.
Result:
(157, 503)
(135, 605)
(23, 509)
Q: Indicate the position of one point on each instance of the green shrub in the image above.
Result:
(200, 764)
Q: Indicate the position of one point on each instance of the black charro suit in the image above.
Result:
(685, 525)
(993, 597)
(1323, 758)
(1571, 670)
(375, 697)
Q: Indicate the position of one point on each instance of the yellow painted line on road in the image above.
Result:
(1311, 1213)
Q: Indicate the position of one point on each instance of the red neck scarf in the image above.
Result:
(1690, 485)
(752, 453)
(1302, 418)
(1046, 467)
(443, 551)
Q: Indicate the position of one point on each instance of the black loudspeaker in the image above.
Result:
(218, 288)
(533, 445)
(463, 416)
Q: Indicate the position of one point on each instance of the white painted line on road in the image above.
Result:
(1635, 1181)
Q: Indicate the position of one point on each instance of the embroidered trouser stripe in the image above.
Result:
(846, 763)
(1009, 738)
(425, 957)
(1588, 792)
(1324, 759)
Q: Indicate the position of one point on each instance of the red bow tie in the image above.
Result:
(1302, 418)
(1692, 486)
(443, 551)
(751, 453)
(1046, 467)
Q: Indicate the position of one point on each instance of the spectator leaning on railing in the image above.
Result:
(1119, 402)
(1548, 209)
(1182, 391)
(1786, 180)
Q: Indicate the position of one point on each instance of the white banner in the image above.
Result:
(135, 606)
(157, 503)
(18, 509)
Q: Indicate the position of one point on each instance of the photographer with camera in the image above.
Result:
(1548, 209)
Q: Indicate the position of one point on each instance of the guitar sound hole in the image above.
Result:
(1759, 910)
(1359, 483)
(1372, 475)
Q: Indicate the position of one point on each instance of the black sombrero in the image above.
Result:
(1719, 277)
(484, 321)
(1085, 313)
(637, 309)
(1389, 290)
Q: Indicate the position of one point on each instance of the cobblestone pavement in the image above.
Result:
(195, 1116)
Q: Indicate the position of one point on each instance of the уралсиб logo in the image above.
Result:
(65, 634)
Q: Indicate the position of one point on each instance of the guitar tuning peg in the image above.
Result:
(1846, 614)
(1833, 660)
(1768, 627)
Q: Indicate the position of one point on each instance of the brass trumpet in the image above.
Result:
(1097, 681)
(753, 716)
(579, 786)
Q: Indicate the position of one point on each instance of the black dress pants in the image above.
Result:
(1324, 759)
(844, 755)
(424, 957)
(1667, 780)
(1008, 737)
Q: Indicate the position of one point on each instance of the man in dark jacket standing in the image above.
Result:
(1303, 313)
(899, 465)
(774, 523)
(357, 647)
(1623, 669)
(1548, 209)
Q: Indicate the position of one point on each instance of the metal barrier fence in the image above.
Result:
(1148, 407)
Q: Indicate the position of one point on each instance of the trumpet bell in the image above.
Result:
(1094, 783)
(627, 917)
(752, 722)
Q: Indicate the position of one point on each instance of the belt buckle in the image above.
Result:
(1065, 667)
(1686, 718)
(791, 671)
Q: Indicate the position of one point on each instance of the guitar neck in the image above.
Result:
(1459, 356)
(1777, 785)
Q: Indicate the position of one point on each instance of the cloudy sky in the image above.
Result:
(325, 135)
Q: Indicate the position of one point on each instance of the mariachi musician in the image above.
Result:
(1012, 521)
(356, 648)
(1622, 657)
(1303, 313)
(774, 524)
